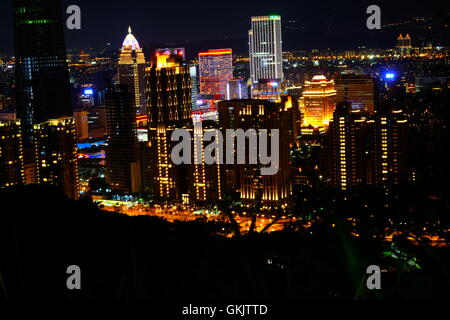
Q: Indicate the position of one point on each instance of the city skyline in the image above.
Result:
(155, 169)
(300, 27)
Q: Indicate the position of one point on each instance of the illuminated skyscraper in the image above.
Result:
(216, 68)
(350, 146)
(43, 95)
(132, 69)
(42, 77)
(122, 165)
(391, 138)
(318, 102)
(265, 48)
(194, 81)
(55, 150)
(358, 90)
(11, 154)
(169, 104)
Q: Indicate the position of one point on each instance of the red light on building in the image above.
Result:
(213, 52)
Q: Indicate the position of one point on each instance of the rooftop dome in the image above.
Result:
(130, 42)
(319, 78)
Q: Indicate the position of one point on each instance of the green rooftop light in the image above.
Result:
(41, 21)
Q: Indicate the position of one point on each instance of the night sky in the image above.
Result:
(180, 22)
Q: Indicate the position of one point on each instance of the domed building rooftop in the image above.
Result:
(130, 42)
(319, 78)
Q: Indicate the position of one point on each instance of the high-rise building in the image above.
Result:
(56, 155)
(43, 95)
(368, 149)
(132, 69)
(122, 161)
(356, 89)
(350, 146)
(390, 132)
(206, 178)
(318, 102)
(169, 104)
(216, 68)
(42, 77)
(194, 81)
(265, 48)
(11, 154)
(275, 190)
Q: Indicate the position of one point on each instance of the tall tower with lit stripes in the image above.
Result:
(169, 105)
(132, 68)
(265, 48)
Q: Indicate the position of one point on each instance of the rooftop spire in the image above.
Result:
(129, 29)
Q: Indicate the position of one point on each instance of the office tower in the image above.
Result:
(236, 89)
(265, 48)
(318, 102)
(11, 154)
(42, 78)
(350, 147)
(132, 69)
(169, 104)
(273, 190)
(122, 165)
(55, 151)
(358, 90)
(216, 68)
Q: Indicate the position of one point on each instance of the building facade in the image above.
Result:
(318, 102)
(11, 154)
(56, 155)
(169, 104)
(368, 149)
(275, 190)
(216, 68)
(358, 90)
(265, 48)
